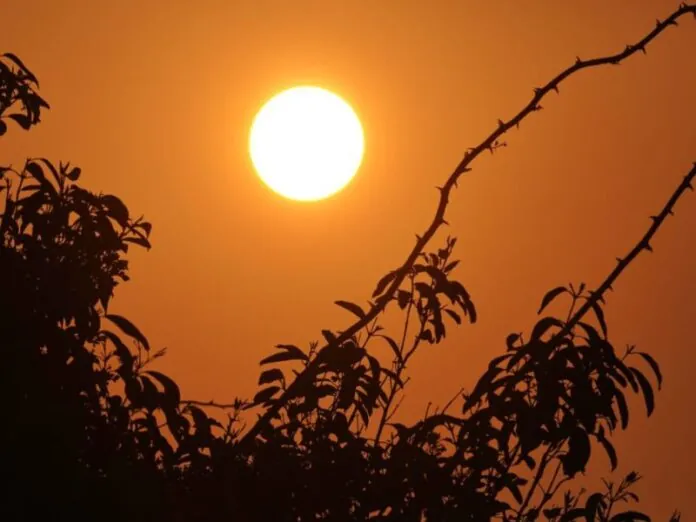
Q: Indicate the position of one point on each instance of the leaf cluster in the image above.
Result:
(92, 431)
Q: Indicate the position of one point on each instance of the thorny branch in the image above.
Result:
(643, 244)
(490, 143)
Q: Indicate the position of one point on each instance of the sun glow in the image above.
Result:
(306, 143)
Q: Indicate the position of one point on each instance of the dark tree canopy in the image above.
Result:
(93, 432)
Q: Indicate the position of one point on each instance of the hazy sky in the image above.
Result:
(153, 99)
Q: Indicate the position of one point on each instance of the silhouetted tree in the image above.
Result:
(91, 432)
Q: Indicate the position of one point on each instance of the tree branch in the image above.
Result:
(490, 143)
(643, 244)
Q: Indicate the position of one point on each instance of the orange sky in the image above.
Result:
(154, 100)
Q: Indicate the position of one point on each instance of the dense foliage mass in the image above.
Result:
(92, 432)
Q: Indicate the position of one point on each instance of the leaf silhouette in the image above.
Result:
(267, 376)
(578, 453)
(599, 313)
(630, 516)
(117, 209)
(352, 307)
(171, 389)
(265, 394)
(550, 296)
(382, 284)
(655, 367)
(129, 329)
(647, 390)
(288, 355)
(594, 502)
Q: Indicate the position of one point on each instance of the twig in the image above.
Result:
(210, 404)
(643, 244)
(488, 144)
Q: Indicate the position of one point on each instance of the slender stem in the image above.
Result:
(401, 365)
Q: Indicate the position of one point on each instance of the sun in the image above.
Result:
(306, 143)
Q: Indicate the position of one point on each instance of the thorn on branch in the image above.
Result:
(500, 123)
(555, 88)
(648, 247)
(619, 260)
(654, 218)
(578, 61)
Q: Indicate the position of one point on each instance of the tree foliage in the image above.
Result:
(93, 431)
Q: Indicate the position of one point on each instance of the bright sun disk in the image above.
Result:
(306, 143)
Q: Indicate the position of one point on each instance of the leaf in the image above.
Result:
(451, 266)
(116, 208)
(623, 407)
(294, 349)
(514, 488)
(393, 346)
(74, 174)
(150, 393)
(550, 296)
(36, 171)
(510, 341)
(611, 452)
(134, 391)
(382, 284)
(578, 453)
(543, 325)
(453, 315)
(352, 307)
(53, 170)
(529, 461)
(122, 351)
(647, 390)
(630, 516)
(146, 227)
(129, 329)
(265, 394)
(23, 67)
(274, 374)
(329, 336)
(200, 419)
(592, 506)
(22, 119)
(597, 309)
(347, 390)
(655, 367)
(573, 514)
(283, 356)
(403, 297)
(171, 388)
(138, 241)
